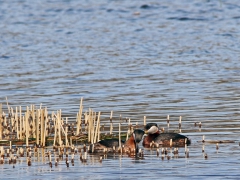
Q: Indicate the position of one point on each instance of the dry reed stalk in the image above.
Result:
(97, 129)
(111, 123)
(12, 120)
(90, 121)
(185, 148)
(66, 133)
(144, 121)
(55, 128)
(1, 121)
(26, 128)
(37, 126)
(20, 121)
(120, 145)
(16, 120)
(79, 117)
(33, 121)
(45, 126)
(129, 128)
(92, 128)
(1, 111)
(89, 125)
(86, 122)
(8, 106)
(58, 125)
(180, 122)
(168, 121)
(1, 128)
(41, 126)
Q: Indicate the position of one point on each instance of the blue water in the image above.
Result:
(137, 58)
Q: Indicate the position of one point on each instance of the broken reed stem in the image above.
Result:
(79, 117)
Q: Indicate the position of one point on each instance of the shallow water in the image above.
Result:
(136, 58)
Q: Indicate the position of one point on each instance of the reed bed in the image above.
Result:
(35, 132)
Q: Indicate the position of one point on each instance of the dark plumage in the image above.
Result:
(154, 135)
(131, 144)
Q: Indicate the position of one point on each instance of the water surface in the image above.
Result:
(136, 58)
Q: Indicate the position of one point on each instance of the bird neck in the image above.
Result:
(130, 143)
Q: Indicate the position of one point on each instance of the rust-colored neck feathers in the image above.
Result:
(149, 138)
(130, 143)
